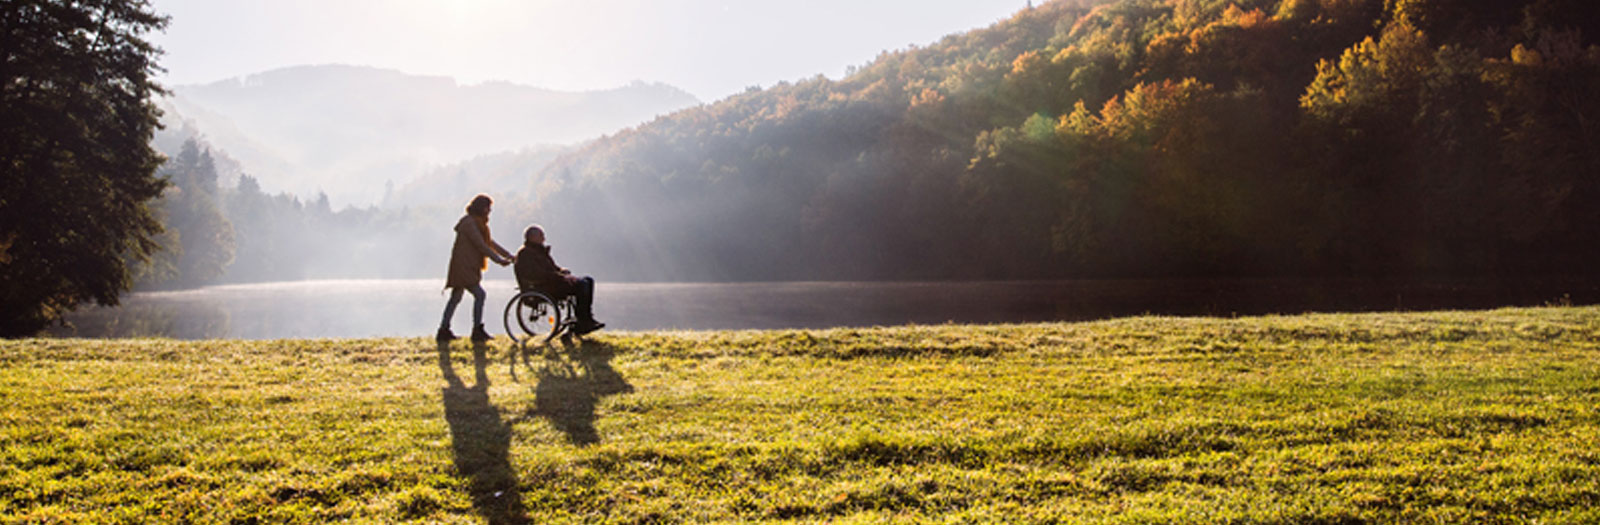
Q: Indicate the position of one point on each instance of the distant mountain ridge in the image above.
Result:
(350, 130)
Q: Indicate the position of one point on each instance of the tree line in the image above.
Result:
(240, 234)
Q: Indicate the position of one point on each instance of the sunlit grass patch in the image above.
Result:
(1450, 416)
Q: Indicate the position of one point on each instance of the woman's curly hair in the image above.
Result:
(479, 205)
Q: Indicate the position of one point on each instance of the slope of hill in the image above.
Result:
(350, 130)
(499, 174)
(1131, 138)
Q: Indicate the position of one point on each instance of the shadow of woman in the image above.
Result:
(480, 440)
(569, 389)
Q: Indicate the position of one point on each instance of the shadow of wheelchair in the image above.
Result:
(573, 377)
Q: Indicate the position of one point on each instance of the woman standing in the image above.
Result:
(468, 259)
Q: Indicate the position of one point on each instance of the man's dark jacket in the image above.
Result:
(535, 269)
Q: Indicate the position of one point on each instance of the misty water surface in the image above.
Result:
(411, 308)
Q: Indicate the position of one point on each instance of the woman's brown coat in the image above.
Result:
(472, 251)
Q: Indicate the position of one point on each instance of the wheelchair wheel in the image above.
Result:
(534, 315)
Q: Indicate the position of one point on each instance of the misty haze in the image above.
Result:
(350, 131)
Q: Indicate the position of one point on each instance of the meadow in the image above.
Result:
(1466, 416)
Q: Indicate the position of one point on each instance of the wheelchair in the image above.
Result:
(536, 315)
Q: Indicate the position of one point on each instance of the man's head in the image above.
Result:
(533, 235)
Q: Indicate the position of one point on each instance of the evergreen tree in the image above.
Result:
(76, 120)
(199, 244)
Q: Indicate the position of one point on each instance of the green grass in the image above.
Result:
(1437, 417)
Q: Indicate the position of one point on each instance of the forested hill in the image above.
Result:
(1136, 138)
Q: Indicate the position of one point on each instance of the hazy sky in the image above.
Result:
(712, 48)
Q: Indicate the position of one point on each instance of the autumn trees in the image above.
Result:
(1142, 138)
(1471, 167)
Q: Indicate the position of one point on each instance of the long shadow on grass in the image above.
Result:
(571, 385)
(481, 441)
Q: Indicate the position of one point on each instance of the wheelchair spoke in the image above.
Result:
(534, 315)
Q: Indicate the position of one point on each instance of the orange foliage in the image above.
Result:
(928, 97)
(1242, 18)
(1033, 60)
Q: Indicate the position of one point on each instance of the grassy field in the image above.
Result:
(1433, 417)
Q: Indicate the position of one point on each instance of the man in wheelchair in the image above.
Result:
(536, 270)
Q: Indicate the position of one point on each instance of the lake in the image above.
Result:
(411, 308)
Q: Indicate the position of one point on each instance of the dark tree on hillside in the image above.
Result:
(76, 121)
(199, 242)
